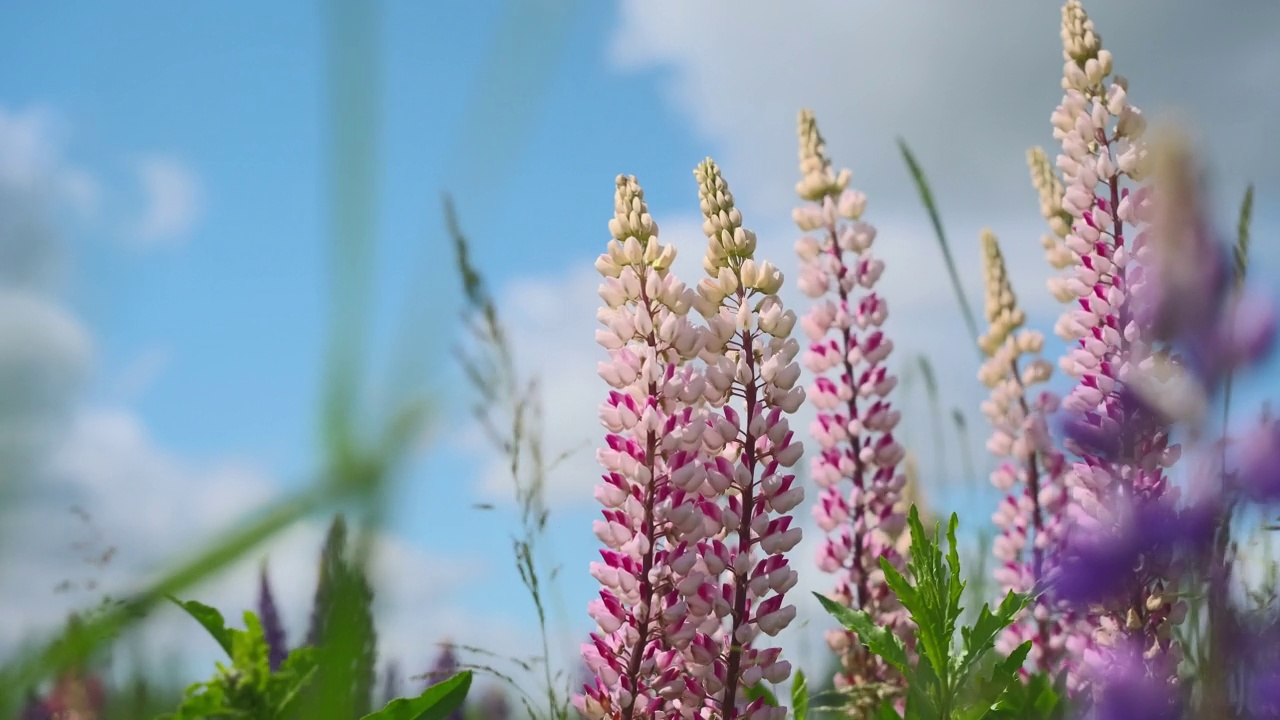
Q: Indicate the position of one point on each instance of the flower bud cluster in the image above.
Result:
(1032, 517)
(856, 466)
(696, 490)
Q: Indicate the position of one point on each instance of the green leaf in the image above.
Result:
(210, 618)
(981, 638)
(760, 690)
(292, 678)
(992, 690)
(934, 599)
(877, 639)
(434, 704)
(887, 711)
(799, 695)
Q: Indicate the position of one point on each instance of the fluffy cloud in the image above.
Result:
(45, 352)
(111, 493)
(970, 85)
(173, 201)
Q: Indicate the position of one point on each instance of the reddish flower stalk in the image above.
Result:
(857, 467)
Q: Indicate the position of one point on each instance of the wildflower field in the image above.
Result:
(804, 471)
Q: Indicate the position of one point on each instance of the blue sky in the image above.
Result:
(209, 333)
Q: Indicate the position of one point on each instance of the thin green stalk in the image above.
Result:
(926, 197)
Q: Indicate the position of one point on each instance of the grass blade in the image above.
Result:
(926, 197)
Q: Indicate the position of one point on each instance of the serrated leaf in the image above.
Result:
(877, 639)
(980, 639)
(210, 619)
(434, 704)
(932, 601)
(799, 695)
(1001, 695)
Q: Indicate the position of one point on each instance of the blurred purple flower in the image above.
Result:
(1128, 692)
(1097, 563)
(1258, 463)
(272, 628)
(1262, 693)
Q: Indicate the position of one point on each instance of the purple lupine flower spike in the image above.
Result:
(272, 628)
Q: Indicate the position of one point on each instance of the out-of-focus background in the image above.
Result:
(164, 209)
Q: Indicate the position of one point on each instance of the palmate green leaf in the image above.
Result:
(981, 638)
(210, 619)
(991, 691)
(1040, 698)
(291, 679)
(435, 703)
(877, 639)
(799, 695)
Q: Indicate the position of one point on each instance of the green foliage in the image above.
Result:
(800, 695)
(760, 690)
(247, 688)
(210, 619)
(342, 633)
(944, 681)
(1040, 698)
(435, 703)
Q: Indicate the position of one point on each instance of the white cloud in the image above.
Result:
(173, 201)
(44, 358)
(152, 508)
(970, 85)
(142, 371)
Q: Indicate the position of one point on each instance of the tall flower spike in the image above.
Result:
(752, 379)
(857, 464)
(1049, 187)
(659, 506)
(1123, 449)
(1032, 517)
